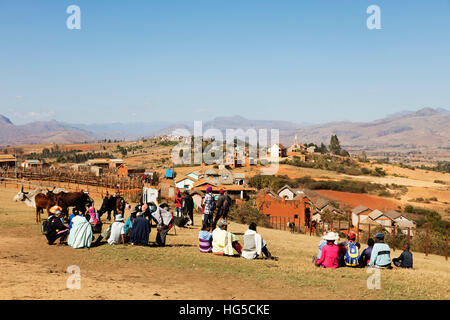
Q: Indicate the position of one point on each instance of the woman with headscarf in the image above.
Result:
(81, 233)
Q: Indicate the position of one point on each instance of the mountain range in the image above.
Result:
(425, 127)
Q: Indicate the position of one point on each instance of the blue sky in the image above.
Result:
(184, 60)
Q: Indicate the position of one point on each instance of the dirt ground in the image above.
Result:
(31, 269)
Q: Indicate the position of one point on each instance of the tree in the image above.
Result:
(323, 148)
(335, 145)
(363, 157)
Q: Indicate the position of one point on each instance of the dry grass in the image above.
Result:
(292, 277)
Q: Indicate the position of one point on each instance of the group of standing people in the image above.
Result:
(347, 254)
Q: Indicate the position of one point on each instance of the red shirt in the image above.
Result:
(178, 198)
(329, 257)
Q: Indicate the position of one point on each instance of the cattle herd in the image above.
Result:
(45, 199)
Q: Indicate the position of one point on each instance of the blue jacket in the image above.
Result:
(381, 255)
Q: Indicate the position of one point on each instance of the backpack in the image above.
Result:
(212, 205)
(351, 257)
(47, 226)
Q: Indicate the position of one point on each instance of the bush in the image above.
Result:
(247, 213)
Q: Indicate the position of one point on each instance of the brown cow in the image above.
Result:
(79, 200)
(42, 202)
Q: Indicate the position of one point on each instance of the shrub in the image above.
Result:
(247, 213)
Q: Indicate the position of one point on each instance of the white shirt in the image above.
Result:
(117, 229)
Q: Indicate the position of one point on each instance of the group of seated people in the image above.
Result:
(81, 228)
(347, 254)
(136, 230)
(79, 232)
(223, 243)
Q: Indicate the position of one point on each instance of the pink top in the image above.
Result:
(329, 257)
(93, 215)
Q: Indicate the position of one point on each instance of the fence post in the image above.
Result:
(358, 230)
(446, 246)
(426, 243)
(409, 237)
(393, 240)
(310, 227)
(368, 236)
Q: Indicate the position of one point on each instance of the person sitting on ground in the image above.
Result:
(254, 244)
(74, 213)
(405, 260)
(56, 229)
(117, 235)
(224, 242)
(140, 230)
(205, 239)
(81, 233)
(349, 251)
(128, 227)
(164, 222)
(365, 255)
(94, 220)
(322, 243)
(330, 252)
(381, 253)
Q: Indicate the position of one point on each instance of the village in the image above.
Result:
(303, 208)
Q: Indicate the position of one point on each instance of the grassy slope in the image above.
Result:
(293, 275)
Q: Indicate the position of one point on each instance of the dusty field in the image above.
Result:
(33, 270)
(355, 199)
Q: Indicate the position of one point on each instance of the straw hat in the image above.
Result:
(331, 236)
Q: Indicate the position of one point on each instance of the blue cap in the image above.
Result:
(379, 235)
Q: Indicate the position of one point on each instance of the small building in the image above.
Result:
(296, 147)
(115, 163)
(32, 164)
(289, 193)
(185, 183)
(7, 161)
(197, 197)
(170, 174)
(194, 175)
(359, 214)
(150, 194)
(278, 151)
(239, 178)
(102, 163)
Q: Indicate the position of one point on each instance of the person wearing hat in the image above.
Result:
(223, 207)
(224, 242)
(117, 235)
(56, 228)
(210, 206)
(381, 253)
(330, 252)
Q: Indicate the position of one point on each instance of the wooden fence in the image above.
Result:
(293, 225)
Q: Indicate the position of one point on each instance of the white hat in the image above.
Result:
(331, 236)
(119, 217)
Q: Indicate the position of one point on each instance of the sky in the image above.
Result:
(185, 60)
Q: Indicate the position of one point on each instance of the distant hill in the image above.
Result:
(40, 132)
(425, 127)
